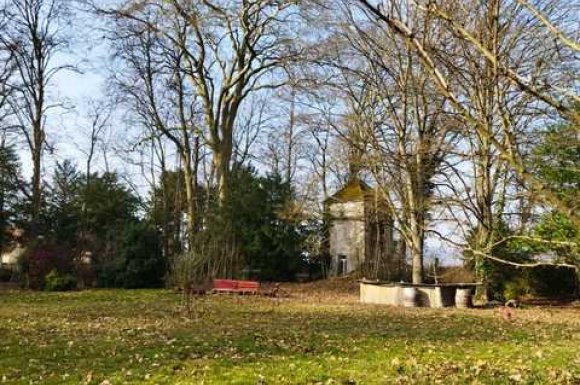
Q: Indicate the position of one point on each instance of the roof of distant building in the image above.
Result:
(354, 190)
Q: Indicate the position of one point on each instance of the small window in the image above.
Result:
(342, 265)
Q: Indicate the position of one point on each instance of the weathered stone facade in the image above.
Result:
(347, 236)
(360, 233)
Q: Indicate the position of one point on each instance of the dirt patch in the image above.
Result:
(333, 290)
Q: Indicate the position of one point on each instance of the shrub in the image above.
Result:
(552, 281)
(55, 281)
(40, 259)
(519, 287)
(185, 269)
(456, 274)
(543, 281)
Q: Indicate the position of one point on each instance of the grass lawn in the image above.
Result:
(143, 337)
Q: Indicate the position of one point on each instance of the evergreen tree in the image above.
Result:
(63, 216)
(262, 214)
(167, 206)
(139, 262)
(10, 181)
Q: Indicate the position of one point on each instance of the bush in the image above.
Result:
(189, 268)
(456, 274)
(552, 281)
(519, 287)
(543, 281)
(54, 281)
(40, 259)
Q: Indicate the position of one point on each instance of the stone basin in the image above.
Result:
(396, 294)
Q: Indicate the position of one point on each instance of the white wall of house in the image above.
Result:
(11, 257)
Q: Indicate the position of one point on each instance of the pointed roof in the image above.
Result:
(354, 190)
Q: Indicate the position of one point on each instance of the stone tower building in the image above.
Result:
(361, 233)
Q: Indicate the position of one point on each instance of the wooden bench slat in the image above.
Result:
(233, 286)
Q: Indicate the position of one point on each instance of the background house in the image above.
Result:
(11, 254)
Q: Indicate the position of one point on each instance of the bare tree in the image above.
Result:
(152, 83)
(100, 115)
(34, 36)
(538, 88)
(482, 195)
(282, 145)
(560, 34)
(318, 155)
(502, 106)
(496, 66)
(231, 50)
(7, 70)
(255, 119)
(100, 119)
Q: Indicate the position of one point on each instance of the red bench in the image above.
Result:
(224, 285)
(232, 286)
(248, 287)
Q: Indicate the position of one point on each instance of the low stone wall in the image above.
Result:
(435, 296)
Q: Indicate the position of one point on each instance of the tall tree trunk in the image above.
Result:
(417, 258)
(36, 180)
(222, 156)
(484, 163)
(190, 195)
(38, 136)
(485, 229)
(2, 213)
(195, 169)
(290, 149)
(417, 252)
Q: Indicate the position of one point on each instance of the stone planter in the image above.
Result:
(409, 297)
(463, 298)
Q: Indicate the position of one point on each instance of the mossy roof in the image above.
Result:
(354, 190)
